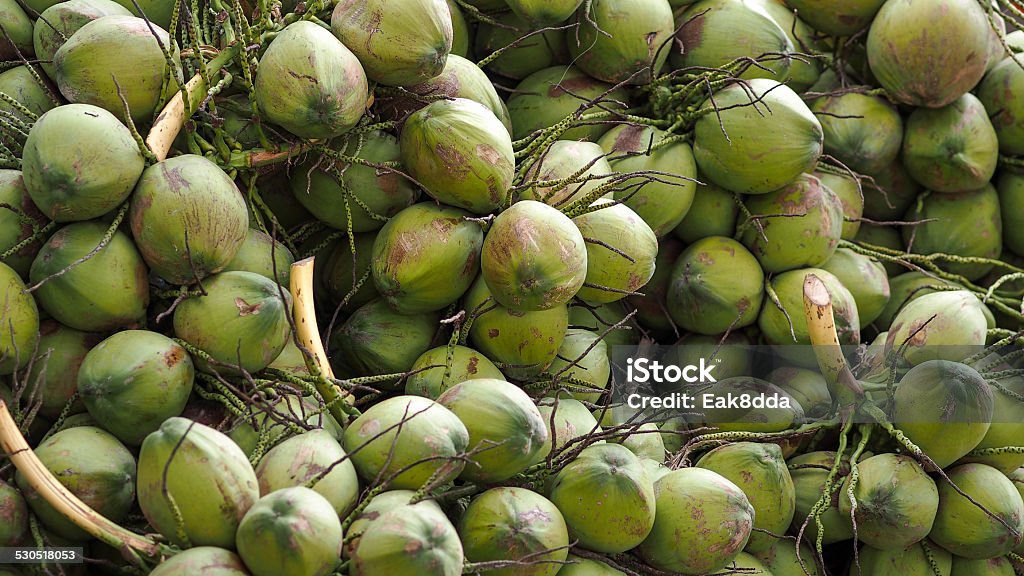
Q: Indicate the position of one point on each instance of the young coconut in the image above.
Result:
(19, 323)
(943, 407)
(621, 249)
(964, 528)
(534, 258)
(953, 148)
(404, 441)
(292, 531)
(606, 498)
(209, 479)
(703, 522)
(515, 524)
(461, 154)
(503, 424)
(896, 501)
(310, 84)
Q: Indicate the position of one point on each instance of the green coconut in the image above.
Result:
(543, 13)
(809, 472)
(1010, 186)
(703, 522)
(547, 96)
(803, 72)
(807, 387)
(967, 223)
(953, 148)
(29, 90)
(782, 559)
(717, 284)
(311, 457)
(662, 205)
(19, 323)
(376, 340)
(851, 195)
(914, 561)
(399, 42)
(309, 83)
(188, 218)
(345, 267)
(108, 291)
(582, 165)
(866, 279)
(53, 379)
(1005, 112)
(426, 257)
(278, 196)
(291, 531)
(764, 146)
(461, 154)
(568, 422)
(908, 49)
(461, 78)
(114, 51)
(612, 320)
(889, 193)
(789, 287)
(896, 501)
(386, 501)
(80, 162)
(206, 560)
(947, 325)
(965, 529)
(534, 258)
(713, 213)
(837, 17)
(943, 407)
(797, 226)
(586, 358)
(263, 255)
(432, 374)
(521, 344)
(384, 452)
(241, 322)
(998, 566)
(17, 36)
(606, 498)
(133, 381)
(862, 131)
(324, 185)
(760, 471)
(715, 33)
(620, 40)
(652, 307)
(416, 540)
(518, 61)
(515, 524)
(621, 249)
(501, 418)
(58, 22)
(208, 477)
(903, 289)
(15, 513)
(92, 465)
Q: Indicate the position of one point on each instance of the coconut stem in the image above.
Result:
(821, 327)
(62, 500)
(171, 119)
(309, 339)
